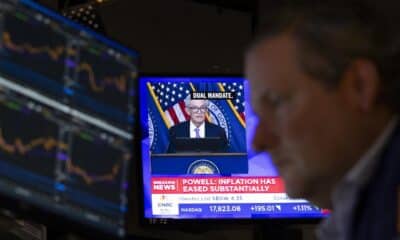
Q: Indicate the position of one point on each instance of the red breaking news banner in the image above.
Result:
(182, 185)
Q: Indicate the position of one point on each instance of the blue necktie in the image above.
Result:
(197, 132)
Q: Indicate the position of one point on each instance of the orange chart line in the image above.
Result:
(120, 82)
(54, 53)
(48, 143)
(71, 168)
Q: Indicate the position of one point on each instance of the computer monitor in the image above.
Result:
(67, 107)
(239, 184)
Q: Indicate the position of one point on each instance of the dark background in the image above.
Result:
(179, 36)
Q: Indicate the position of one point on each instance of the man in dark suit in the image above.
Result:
(197, 127)
(325, 83)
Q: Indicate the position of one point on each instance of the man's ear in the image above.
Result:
(360, 84)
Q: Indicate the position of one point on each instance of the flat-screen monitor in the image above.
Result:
(67, 107)
(236, 183)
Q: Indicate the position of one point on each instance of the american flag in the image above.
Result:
(167, 108)
(170, 96)
(238, 103)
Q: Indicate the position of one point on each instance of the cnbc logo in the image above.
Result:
(165, 205)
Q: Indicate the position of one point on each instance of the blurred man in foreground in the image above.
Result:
(325, 80)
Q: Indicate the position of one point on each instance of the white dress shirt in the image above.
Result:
(202, 130)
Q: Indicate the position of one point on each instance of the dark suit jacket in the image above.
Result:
(377, 211)
(182, 130)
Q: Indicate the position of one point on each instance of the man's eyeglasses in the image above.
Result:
(198, 109)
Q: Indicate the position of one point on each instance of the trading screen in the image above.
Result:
(66, 107)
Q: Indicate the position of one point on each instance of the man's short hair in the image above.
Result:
(188, 99)
(330, 34)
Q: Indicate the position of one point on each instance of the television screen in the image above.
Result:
(67, 109)
(197, 159)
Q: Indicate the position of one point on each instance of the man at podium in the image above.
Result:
(197, 135)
